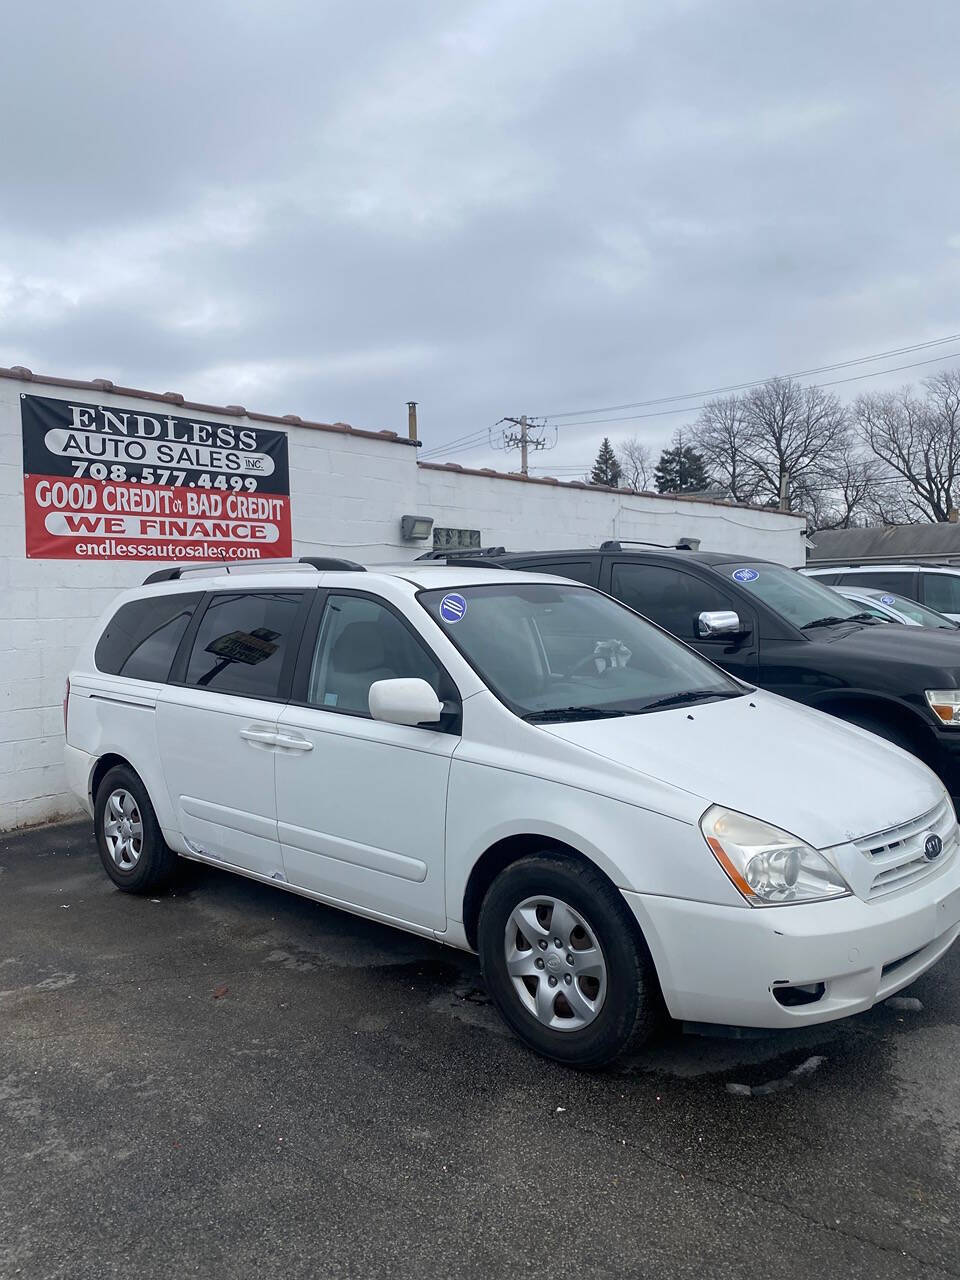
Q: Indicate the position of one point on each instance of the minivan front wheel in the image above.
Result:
(565, 963)
(132, 849)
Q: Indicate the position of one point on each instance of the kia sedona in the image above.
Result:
(518, 765)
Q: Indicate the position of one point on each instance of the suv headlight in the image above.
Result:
(945, 704)
(770, 867)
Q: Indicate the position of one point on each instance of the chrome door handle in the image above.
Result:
(293, 744)
(263, 736)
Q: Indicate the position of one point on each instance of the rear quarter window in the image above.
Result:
(579, 570)
(142, 637)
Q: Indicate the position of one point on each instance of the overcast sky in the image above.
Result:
(493, 208)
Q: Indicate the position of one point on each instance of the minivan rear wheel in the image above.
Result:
(132, 848)
(565, 963)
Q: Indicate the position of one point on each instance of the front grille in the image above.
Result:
(897, 854)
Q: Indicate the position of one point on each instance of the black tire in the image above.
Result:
(155, 863)
(631, 1009)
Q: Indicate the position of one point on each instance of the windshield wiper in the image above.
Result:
(573, 713)
(691, 695)
(824, 622)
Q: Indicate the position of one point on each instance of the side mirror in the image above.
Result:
(720, 622)
(404, 702)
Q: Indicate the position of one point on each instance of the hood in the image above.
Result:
(920, 646)
(817, 777)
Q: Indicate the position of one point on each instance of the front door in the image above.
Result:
(675, 598)
(217, 727)
(362, 804)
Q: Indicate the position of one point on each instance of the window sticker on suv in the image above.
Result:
(453, 607)
(745, 575)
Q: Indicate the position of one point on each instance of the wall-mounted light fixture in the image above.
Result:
(415, 528)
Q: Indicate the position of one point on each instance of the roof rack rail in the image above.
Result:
(325, 563)
(322, 564)
(461, 553)
(681, 544)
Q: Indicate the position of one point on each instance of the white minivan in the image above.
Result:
(517, 764)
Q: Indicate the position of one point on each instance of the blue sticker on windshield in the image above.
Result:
(452, 608)
(888, 599)
(745, 575)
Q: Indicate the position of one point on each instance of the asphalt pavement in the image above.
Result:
(231, 1081)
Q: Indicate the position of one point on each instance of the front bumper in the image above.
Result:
(722, 964)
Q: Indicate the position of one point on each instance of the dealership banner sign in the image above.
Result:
(121, 484)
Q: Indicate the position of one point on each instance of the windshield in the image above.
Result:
(802, 601)
(917, 612)
(563, 652)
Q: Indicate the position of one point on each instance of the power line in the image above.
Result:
(474, 439)
(740, 386)
(468, 437)
(691, 408)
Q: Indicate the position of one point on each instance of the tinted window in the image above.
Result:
(142, 637)
(670, 597)
(242, 642)
(361, 641)
(831, 579)
(941, 591)
(905, 583)
(565, 652)
(805, 602)
(578, 570)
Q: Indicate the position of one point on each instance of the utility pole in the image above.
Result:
(524, 439)
(784, 491)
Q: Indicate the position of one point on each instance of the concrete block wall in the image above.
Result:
(348, 492)
(523, 515)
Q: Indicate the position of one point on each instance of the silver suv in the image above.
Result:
(936, 586)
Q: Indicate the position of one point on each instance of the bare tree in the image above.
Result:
(795, 435)
(843, 495)
(636, 464)
(918, 439)
(779, 434)
(722, 435)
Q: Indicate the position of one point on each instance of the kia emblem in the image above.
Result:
(932, 848)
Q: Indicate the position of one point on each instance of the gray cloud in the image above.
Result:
(490, 207)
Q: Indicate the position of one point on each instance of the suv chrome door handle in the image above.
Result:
(293, 744)
(263, 736)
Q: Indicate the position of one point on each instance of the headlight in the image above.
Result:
(945, 704)
(770, 867)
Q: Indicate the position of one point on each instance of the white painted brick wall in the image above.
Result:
(347, 495)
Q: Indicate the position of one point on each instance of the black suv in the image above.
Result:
(788, 633)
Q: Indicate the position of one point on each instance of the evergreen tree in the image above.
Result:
(606, 469)
(681, 469)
